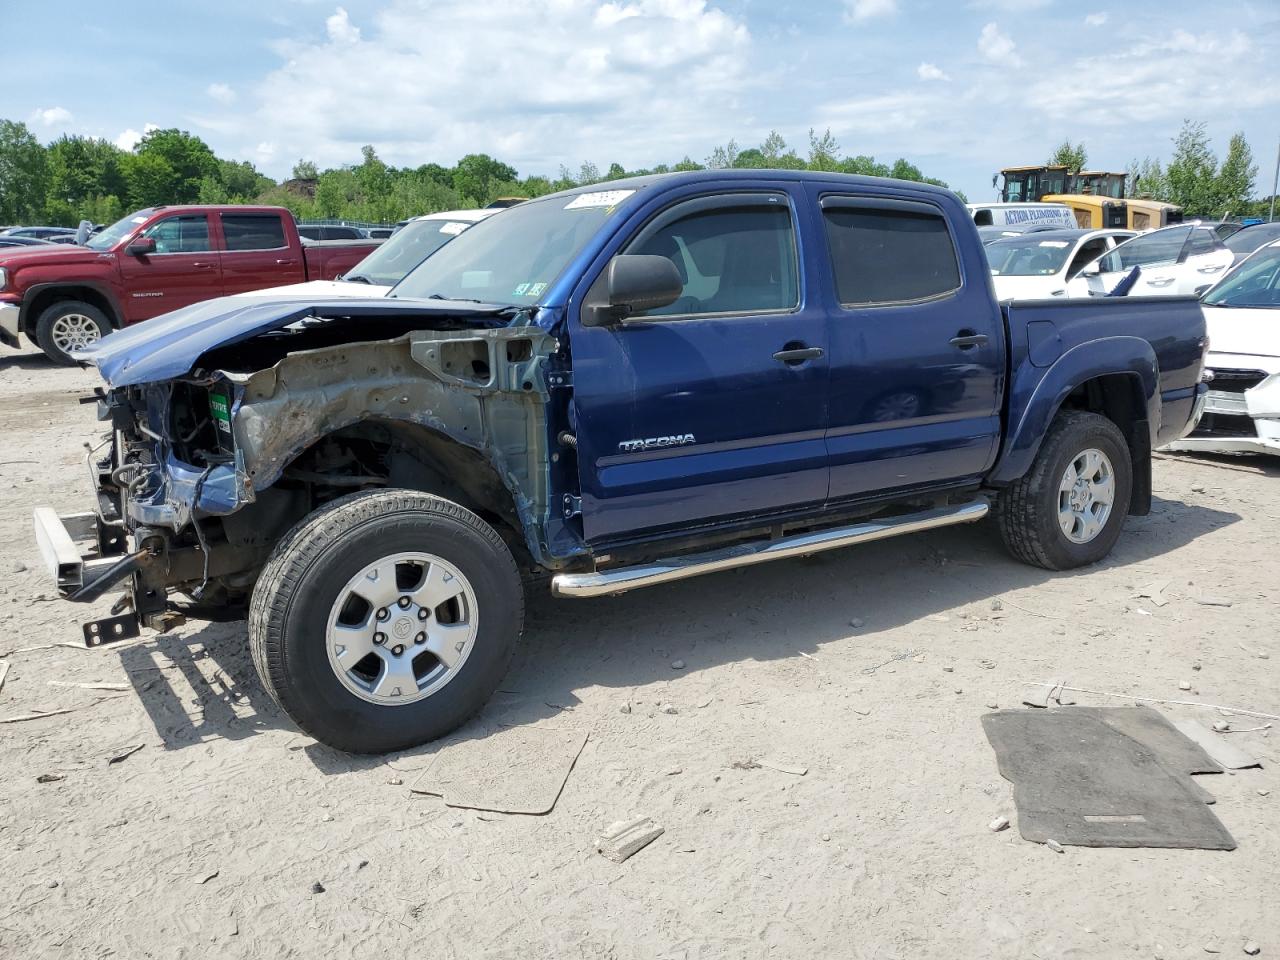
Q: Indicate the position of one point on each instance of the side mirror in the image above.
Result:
(1092, 269)
(634, 283)
(141, 247)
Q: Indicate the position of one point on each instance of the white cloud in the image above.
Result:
(1010, 6)
(997, 46)
(221, 92)
(340, 28)
(128, 139)
(1096, 19)
(856, 10)
(931, 71)
(636, 81)
(52, 116)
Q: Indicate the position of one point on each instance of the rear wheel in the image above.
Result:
(1068, 509)
(386, 620)
(70, 325)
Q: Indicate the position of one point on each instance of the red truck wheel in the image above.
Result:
(70, 325)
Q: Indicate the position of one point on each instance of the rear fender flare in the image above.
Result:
(1096, 358)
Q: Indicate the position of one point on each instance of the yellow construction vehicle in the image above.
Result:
(1054, 183)
(1150, 214)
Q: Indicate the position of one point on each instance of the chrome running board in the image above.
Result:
(622, 579)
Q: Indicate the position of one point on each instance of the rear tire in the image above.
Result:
(1054, 516)
(68, 325)
(344, 625)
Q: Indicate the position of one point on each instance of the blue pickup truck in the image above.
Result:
(611, 388)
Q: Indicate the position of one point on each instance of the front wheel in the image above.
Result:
(386, 620)
(69, 325)
(1068, 509)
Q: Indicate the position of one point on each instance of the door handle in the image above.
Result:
(793, 356)
(202, 266)
(285, 263)
(1212, 269)
(967, 339)
(1159, 281)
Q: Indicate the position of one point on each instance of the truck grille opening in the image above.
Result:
(1224, 425)
(1236, 381)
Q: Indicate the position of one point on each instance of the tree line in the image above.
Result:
(1192, 177)
(78, 178)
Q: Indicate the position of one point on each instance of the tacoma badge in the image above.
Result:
(655, 443)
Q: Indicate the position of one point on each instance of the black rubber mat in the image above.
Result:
(1104, 777)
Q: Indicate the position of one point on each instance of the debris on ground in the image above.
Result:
(669, 709)
(626, 707)
(1221, 750)
(1154, 592)
(1184, 684)
(998, 824)
(625, 838)
(1053, 845)
(1209, 600)
(113, 687)
(50, 777)
(125, 754)
(4, 672)
(677, 664)
(204, 876)
(37, 715)
(317, 887)
(745, 765)
(1252, 948)
(791, 768)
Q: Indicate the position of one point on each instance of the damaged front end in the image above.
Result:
(205, 471)
(1241, 409)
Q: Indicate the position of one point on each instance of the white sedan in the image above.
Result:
(1037, 265)
(386, 266)
(1182, 260)
(1242, 408)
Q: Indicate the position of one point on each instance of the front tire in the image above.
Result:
(69, 325)
(1068, 509)
(385, 620)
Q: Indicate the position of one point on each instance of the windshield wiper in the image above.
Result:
(441, 296)
(356, 278)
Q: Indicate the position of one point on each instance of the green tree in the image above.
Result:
(587, 173)
(902, 170)
(1192, 172)
(750, 159)
(24, 174)
(305, 170)
(864, 165)
(688, 164)
(1073, 156)
(773, 148)
(1234, 184)
(1146, 180)
(475, 174)
(723, 157)
(823, 151)
(151, 180)
(187, 157)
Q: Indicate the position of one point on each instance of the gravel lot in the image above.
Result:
(869, 667)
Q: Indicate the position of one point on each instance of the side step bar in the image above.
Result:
(622, 579)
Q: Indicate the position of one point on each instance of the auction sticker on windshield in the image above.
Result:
(601, 198)
(453, 229)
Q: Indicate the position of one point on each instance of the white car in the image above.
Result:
(1242, 408)
(386, 266)
(1182, 260)
(1037, 265)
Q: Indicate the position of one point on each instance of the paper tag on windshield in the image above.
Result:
(138, 220)
(602, 198)
(453, 229)
(1059, 244)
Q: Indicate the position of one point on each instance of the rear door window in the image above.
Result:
(253, 231)
(733, 254)
(889, 251)
(185, 234)
(1162, 246)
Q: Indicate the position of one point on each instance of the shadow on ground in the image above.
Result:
(629, 641)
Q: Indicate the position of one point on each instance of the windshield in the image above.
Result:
(516, 257)
(1019, 257)
(418, 239)
(1251, 238)
(1255, 283)
(113, 234)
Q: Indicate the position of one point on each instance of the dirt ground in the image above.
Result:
(870, 667)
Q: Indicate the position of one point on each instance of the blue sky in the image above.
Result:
(959, 87)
